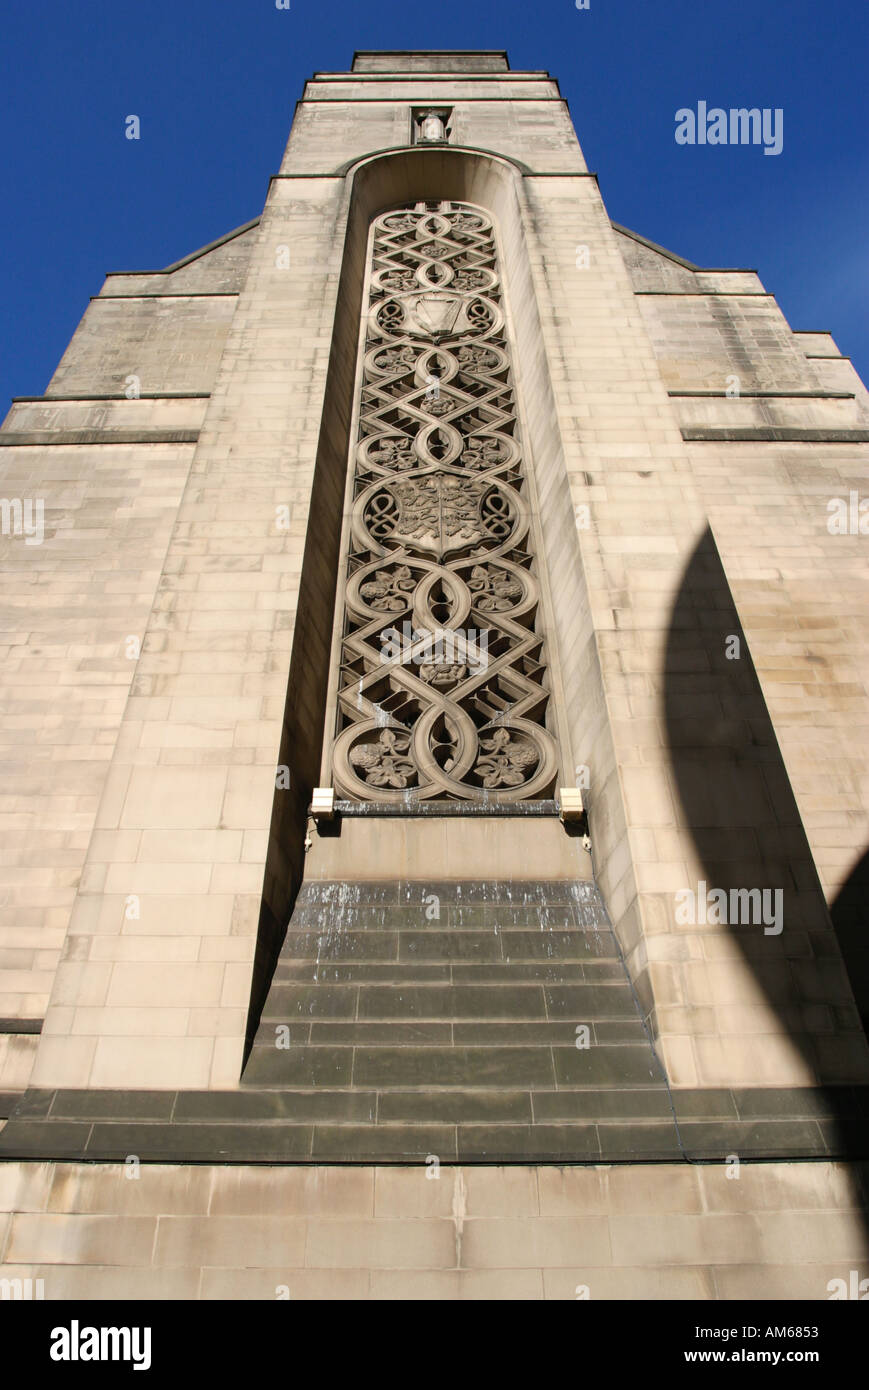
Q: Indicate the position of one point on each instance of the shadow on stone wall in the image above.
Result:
(738, 803)
(307, 686)
(850, 916)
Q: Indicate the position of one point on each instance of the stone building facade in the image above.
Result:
(315, 970)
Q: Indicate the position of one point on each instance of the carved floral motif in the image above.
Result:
(382, 764)
(496, 591)
(477, 359)
(468, 280)
(440, 404)
(398, 280)
(388, 591)
(483, 453)
(391, 359)
(442, 673)
(394, 453)
(505, 759)
(400, 223)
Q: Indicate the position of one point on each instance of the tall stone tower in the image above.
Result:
(435, 759)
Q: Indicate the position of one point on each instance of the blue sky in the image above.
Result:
(215, 81)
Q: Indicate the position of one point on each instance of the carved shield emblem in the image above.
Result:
(438, 512)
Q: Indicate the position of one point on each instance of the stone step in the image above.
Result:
(424, 972)
(416, 917)
(303, 1124)
(384, 1030)
(432, 1105)
(580, 1003)
(459, 945)
(543, 905)
(423, 1065)
(395, 1032)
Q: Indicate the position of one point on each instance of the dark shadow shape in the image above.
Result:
(740, 808)
(850, 917)
(329, 829)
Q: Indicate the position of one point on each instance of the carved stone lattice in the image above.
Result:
(441, 689)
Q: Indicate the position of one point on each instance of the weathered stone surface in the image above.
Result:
(660, 1231)
(167, 644)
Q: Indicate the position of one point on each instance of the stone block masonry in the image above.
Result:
(167, 908)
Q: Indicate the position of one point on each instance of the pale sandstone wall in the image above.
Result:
(189, 822)
(520, 116)
(184, 819)
(799, 590)
(753, 1011)
(169, 344)
(69, 606)
(779, 1231)
(110, 474)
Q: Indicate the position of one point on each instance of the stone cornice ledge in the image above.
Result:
(772, 434)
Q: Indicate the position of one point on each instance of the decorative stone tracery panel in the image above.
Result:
(442, 690)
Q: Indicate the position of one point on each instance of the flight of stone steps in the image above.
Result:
(441, 1021)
